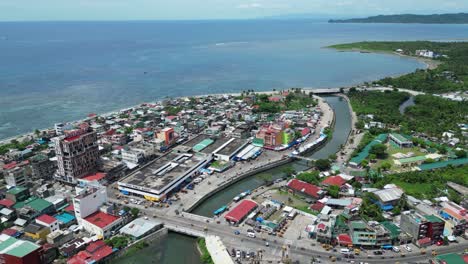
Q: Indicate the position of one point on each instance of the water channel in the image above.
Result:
(182, 249)
(406, 104)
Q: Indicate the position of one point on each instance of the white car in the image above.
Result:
(408, 248)
(238, 254)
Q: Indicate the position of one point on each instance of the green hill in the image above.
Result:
(460, 18)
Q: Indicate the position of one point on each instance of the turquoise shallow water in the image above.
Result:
(61, 71)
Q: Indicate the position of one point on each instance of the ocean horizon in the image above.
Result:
(61, 71)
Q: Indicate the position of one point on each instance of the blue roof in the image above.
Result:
(65, 218)
(387, 207)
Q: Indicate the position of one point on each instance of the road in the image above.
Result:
(301, 252)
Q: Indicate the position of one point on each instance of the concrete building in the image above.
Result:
(101, 224)
(160, 177)
(77, 154)
(36, 231)
(399, 141)
(17, 194)
(48, 221)
(42, 167)
(388, 198)
(133, 156)
(425, 230)
(88, 201)
(16, 177)
(140, 227)
(229, 149)
(168, 135)
(59, 237)
(370, 234)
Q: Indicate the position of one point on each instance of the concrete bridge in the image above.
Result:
(304, 158)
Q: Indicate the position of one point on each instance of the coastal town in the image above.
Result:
(98, 189)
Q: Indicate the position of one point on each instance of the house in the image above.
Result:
(304, 188)
(95, 252)
(399, 141)
(334, 181)
(101, 224)
(388, 198)
(36, 231)
(17, 251)
(48, 221)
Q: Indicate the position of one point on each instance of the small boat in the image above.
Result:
(220, 210)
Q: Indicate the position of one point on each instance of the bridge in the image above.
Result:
(304, 158)
(322, 91)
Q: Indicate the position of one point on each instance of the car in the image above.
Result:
(238, 254)
(267, 244)
(396, 249)
(236, 232)
(378, 252)
(440, 243)
(408, 248)
(244, 254)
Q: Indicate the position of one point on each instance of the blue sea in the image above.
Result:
(61, 71)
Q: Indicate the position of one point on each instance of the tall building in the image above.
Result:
(77, 154)
(427, 229)
(89, 200)
(42, 167)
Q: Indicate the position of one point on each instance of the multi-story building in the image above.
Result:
(168, 135)
(42, 167)
(15, 251)
(16, 177)
(424, 229)
(77, 154)
(88, 201)
(456, 216)
(370, 234)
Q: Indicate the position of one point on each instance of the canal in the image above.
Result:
(174, 248)
(340, 134)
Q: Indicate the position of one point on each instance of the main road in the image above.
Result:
(198, 225)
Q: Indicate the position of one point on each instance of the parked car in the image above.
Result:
(408, 248)
(238, 254)
(236, 232)
(378, 252)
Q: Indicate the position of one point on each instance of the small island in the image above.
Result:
(460, 18)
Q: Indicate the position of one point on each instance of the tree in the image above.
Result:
(267, 178)
(135, 211)
(309, 177)
(333, 191)
(372, 157)
(322, 164)
(385, 166)
(379, 150)
(460, 153)
(289, 171)
(332, 157)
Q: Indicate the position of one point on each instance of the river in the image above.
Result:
(169, 250)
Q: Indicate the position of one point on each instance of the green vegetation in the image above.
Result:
(333, 191)
(369, 210)
(431, 114)
(379, 151)
(173, 110)
(205, 255)
(117, 242)
(384, 106)
(133, 249)
(305, 208)
(426, 184)
(435, 115)
(135, 211)
(450, 75)
(322, 164)
(460, 18)
(14, 144)
(295, 100)
(309, 177)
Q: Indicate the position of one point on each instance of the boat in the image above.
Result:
(220, 210)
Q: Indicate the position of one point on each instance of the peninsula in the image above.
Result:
(460, 18)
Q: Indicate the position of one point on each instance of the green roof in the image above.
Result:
(442, 164)
(358, 225)
(37, 204)
(392, 228)
(16, 247)
(412, 159)
(258, 142)
(433, 219)
(399, 137)
(16, 190)
(203, 144)
(451, 258)
(365, 151)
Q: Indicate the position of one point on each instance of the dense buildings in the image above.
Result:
(15, 251)
(77, 154)
(425, 230)
(42, 167)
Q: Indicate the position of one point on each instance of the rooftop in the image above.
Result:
(163, 172)
(138, 227)
(15, 247)
(216, 145)
(16, 190)
(46, 219)
(232, 146)
(241, 210)
(101, 219)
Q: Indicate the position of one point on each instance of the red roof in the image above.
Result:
(102, 252)
(344, 239)
(274, 99)
(334, 180)
(241, 210)
(95, 246)
(72, 138)
(46, 219)
(10, 232)
(101, 219)
(423, 241)
(305, 131)
(10, 165)
(95, 177)
(7, 203)
(321, 227)
(70, 208)
(318, 206)
(304, 187)
(81, 257)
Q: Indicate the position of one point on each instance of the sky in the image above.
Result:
(37, 10)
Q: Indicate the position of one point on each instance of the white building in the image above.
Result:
(48, 221)
(133, 156)
(101, 224)
(88, 201)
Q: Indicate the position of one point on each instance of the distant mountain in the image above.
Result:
(460, 18)
(305, 16)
